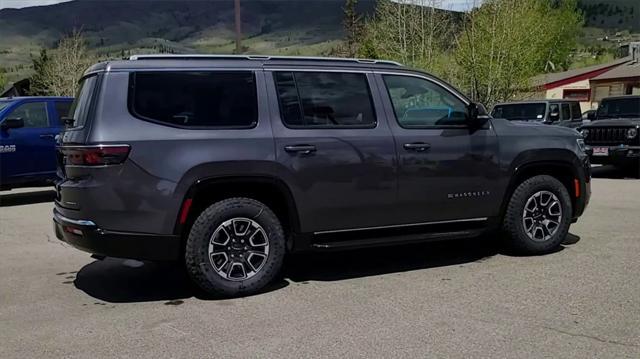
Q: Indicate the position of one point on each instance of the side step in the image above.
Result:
(398, 239)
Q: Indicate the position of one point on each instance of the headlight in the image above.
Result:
(632, 133)
(581, 145)
(584, 132)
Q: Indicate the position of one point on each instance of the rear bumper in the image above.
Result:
(86, 236)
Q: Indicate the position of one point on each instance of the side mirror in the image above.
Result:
(477, 115)
(9, 123)
(554, 116)
(591, 116)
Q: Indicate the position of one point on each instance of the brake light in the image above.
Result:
(94, 155)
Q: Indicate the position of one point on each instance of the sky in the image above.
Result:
(457, 5)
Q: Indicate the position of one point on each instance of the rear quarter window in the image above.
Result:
(195, 99)
(81, 105)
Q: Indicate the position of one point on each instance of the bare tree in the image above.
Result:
(414, 32)
(57, 72)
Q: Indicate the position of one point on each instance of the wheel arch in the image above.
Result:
(271, 191)
(563, 165)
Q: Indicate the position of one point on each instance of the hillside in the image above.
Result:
(287, 27)
(116, 28)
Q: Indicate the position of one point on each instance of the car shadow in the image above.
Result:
(25, 198)
(333, 266)
(610, 172)
(116, 280)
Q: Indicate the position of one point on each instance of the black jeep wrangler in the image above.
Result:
(612, 137)
(227, 163)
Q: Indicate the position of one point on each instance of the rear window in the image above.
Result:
(195, 99)
(79, 110)
(520, 112)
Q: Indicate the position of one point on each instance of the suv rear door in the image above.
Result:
(446, 170)
(337, 155)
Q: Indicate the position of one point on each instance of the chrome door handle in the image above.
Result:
(303, 149)
(47, 135)
(416, 146)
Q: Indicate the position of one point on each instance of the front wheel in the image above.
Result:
(538, 217)
(235, 247)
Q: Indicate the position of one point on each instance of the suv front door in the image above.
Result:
(339, 159)
(446, 170)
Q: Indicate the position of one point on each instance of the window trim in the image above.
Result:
(132, 111)
(46, 110)
(323, 127)
(465, 101)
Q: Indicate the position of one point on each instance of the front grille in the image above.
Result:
(607, 135)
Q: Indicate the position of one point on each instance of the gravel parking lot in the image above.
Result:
(454, 299)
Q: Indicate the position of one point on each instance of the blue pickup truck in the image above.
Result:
(28, 126)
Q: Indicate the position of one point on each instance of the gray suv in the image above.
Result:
(229, 162)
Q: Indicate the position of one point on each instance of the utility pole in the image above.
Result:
(238, 28)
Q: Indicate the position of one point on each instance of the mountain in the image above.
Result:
(115, 28)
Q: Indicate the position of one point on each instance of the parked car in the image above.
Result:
(612, 136)
(28, 126)
(553, 112)
(229, 162)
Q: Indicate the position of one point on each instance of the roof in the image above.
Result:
(162, 61)
(552, 79)
(630, 69)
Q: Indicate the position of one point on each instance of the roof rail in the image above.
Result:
(258, 57)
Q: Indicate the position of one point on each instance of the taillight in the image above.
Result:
(94, 155)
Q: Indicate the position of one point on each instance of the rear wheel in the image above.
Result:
(235, 247)
(538, 216)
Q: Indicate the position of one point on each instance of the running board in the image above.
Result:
(398, 239)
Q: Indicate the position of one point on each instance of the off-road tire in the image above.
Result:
(197, 260)
(513, 225)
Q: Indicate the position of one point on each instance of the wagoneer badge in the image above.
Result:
(468, 194)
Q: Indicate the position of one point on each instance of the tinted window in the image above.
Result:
(418, 103)
(195, 99)
(576, 112)
(62, 109)
(80, 107)
(319, 99)
(566, 112)
(520, 112)
(34, 114)
(619, 108)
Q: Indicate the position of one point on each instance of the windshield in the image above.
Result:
(4, 104)
(520, 111)
(619, 108)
